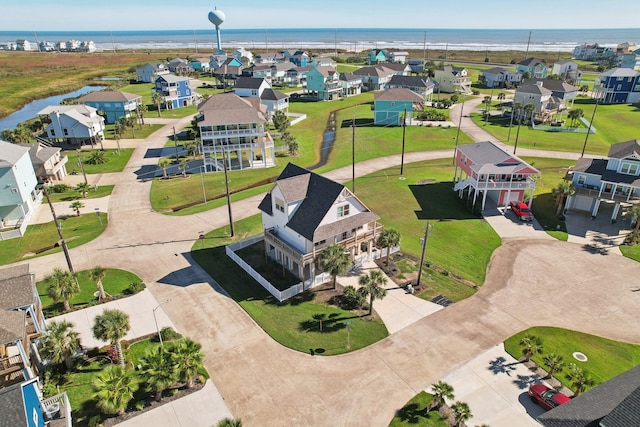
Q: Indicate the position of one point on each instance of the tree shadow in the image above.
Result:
(412, 413)
(438, 201)
(362, 122)
(524, 381)
(498, 366)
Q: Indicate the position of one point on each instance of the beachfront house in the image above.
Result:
(73, 124)
(611, 182)
(485, 171)
(499, 77)
(533, 68)
(351, 84)
(18, 195)
(324, 83)
(304, 212)
(234, 129)
(22, 44)
(150, 72)
(176, 91)
(418, 84)
(377, 56)
(112, 105)
(617, 86)
(450, 79)
(567, 70)
(48, 162)
(393, 106)
(593, 52)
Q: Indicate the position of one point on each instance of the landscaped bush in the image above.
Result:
(168, 334)
(432, 115)
(135, 287)
(350, 299)
(59, 188)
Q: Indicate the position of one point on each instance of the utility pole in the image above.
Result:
(424, 248)
(526, 55)
(226, 186)
(59, 228)
(584, 146)
(424, 48)
(353, 155)
(459, 126)
(404, 128)
(81, 166)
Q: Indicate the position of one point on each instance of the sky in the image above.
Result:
(65, 15)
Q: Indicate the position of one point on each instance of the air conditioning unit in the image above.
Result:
(14, 190)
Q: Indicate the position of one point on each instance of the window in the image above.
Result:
(344, 236)
(279, 205)
(343, 211)
(254, 92)
(582, 179)
(66, 132)
(619, 87)
(629, 168)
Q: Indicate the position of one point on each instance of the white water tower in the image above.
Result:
(216, 17)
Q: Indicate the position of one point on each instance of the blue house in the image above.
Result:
(175, 90)
(112, 105)
(21, 405)
(617, 86)
(200, 64)
(376, 56)
(391, 106)
(535, 67)
(300, 58)
(614, 180)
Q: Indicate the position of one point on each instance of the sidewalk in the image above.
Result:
(398, 309)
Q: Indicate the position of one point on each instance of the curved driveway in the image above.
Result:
(528, 283)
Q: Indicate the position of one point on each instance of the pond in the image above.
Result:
(30, 110)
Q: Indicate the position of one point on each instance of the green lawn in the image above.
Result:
(632, 252)
(73, 194)
(614, 123)
(40, 239)
(606, 358)
(134, 132)
(115, 283)
(115, 162)
(292, 322)
(414, 413)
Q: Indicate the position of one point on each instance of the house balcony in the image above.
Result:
(491, 184)
(11, 370)
(57, 410)
(232, 133)
(617, 196)
(57, 166)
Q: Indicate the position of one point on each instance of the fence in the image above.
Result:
(15, 233)
(584, 130)
(298, 118)
(279, 295)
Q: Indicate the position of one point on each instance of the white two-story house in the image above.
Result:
(614, 181)
(452, 80)
(304, 212)
(73, 124)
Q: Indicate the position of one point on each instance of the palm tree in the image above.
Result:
(373, 285)
(83, 188)
(163, 164)
(531, 345)
(62, 286)
(192, 148)
(580, 381)
(114, 388)
(575, 114)
(187, 357)
(334, 261)
(157, 99)
(76, 206)
(461, 412)
(563, 190)
(111, 326)
(97, 157)
(388, 238)
(142, 110)
(184, 165)
(554, 362)
(293, 146)
(60, 342)
(230, 422)
(529, 109)
(96, 274)
(159, 370)
(441, 391)
(634, 216)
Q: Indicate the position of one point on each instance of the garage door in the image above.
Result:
(583, 203)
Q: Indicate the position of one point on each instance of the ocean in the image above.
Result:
(351, 39)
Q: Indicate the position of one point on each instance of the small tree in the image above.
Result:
(575, 114)
(142, 110)
(62, 286)
(97, 157)
(83, 188)
(580, 381)
(157, 100)
(111, 326)
(164, 164)
(60, 342)
(461, 412)
(634, 216)
(334, 261)
(554, 362)
(76, 206)
(531, 345)
(187, 357)
(373, 286)
(388, 238)
(563, 190)
(230, 422)
(280, 121)
(96, 274)
(159, 371)
(114, 388)
(441, 391)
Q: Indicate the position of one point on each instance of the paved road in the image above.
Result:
(266, 384)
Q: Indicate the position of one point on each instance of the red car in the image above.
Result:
(521, 210)
(546, 397)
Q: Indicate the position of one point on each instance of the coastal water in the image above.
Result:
(352, 39)
(30, 110)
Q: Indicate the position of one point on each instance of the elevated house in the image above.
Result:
(304, 212)
(150, 72)
(324, 83)
(399, 57)
(416, 65)
(201, 65)
(23, 405)
(250, 87)
(568, 71)
(545, 105)
(452, 80)
(593, 52)
(614, 181)
(377, 56)
(176, 91)
(180, 66)
(418, 84)
(535, 68)
(111, 104)
(499, 77)
(74, 124)
(393, 106)
(228, 71)
(300, 58)
(563, 92)
(243, 55)
(233, 129)
(630, 60)
(351, 84)
(378, 76)
(274, 101)
(297, 76)
(48, 162)
(617, 86)
(484, 170)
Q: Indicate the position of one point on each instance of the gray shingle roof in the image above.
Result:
(273, 95)
(12, 404)
(625, 149)
(398, 94)
(108, 96)
(11, 153)
(16, 292)
(229, 108)
(249, 82)
(531, 62)
(533, 88)
(588, 409)
(555, 85)
(410, 81)
(12, 326)
(40, 154)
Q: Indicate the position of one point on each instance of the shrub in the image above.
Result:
(168, 334)
(139, 405)
(350, 298)
(59, 188)
(135, 287)
(476, 92)
(95, 421)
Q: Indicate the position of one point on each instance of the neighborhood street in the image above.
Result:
(268, 385)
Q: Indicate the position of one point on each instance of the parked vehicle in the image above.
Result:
(521, 210)
(547, 397)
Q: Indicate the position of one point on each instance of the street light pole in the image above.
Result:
(226, 186)
(424, 248)
(204, 194)
(404, 127)
(59, 228)
(81, 166)
(459, 126)
(156, 320)
(584, 146)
